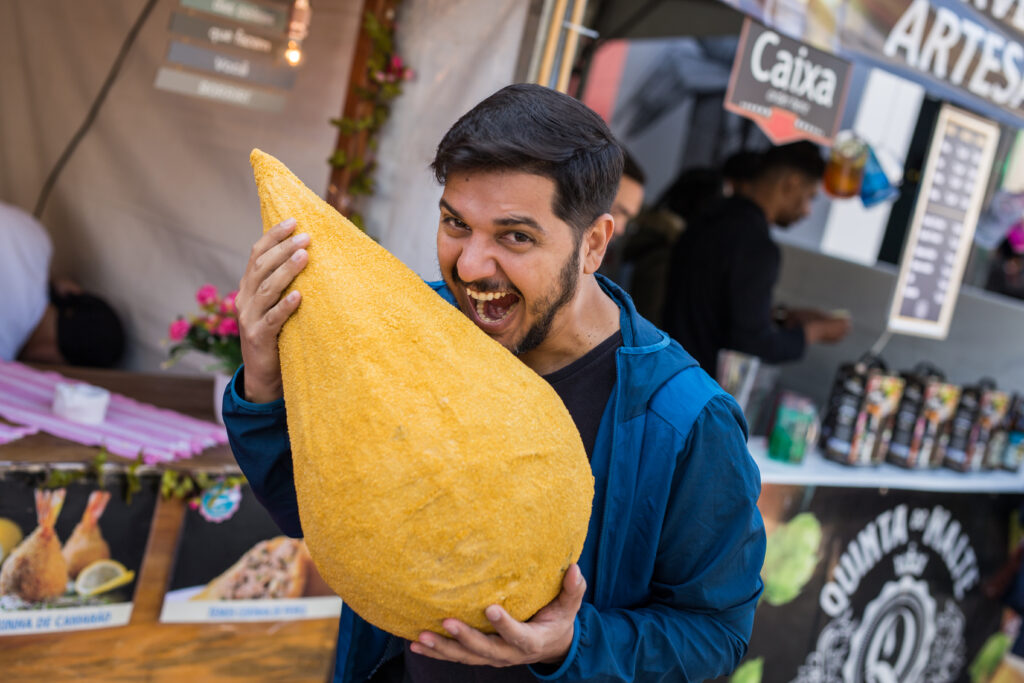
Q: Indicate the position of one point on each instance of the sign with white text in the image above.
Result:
(791, 90)
(187, 83)
(866, 586)
(218, 33)
(969, 52)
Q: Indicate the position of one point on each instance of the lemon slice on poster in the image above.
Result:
(102, 576)
(10, 536)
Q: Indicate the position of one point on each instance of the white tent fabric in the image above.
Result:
(462, 51)
(159, 197)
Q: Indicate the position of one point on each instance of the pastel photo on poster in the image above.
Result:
(70, 556)
(233, 564)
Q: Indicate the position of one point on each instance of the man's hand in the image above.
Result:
(546, 638)
(798, 317)
(828, 330)
(274, 262)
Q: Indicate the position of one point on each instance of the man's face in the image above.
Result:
(797, 193)
(626, 206)
(511, 263)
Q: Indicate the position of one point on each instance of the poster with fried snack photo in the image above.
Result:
(233, 564)
(71, 547)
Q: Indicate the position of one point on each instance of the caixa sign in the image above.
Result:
(791, 90)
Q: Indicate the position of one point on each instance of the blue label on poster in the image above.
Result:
(220, 503)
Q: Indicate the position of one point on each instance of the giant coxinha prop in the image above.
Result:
(436, 474)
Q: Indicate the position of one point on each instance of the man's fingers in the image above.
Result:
(273, 249)
(280, 312)
(573, 589)
(513, 632)
(271, 238)
(275, 282)
(467, 645)
(449, 654)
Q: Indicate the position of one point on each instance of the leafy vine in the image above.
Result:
(386, 72)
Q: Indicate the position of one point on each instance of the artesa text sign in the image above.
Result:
(791, 90)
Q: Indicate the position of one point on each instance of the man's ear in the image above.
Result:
(595, 242)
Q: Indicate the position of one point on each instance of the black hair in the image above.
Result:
(693, 193)
(89, 332)
(630, 168)
(803, 157)
(533, 129)
(742, 166)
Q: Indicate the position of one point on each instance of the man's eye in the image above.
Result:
(520, 238)
(454, 222)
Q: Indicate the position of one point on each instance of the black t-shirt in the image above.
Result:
(584, 387)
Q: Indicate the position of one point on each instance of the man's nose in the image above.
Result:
(477, 260)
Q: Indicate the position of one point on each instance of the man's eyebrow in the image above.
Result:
(507, 221)
(448, 207)
(510, 221)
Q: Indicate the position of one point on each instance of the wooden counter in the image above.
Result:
(147, 650)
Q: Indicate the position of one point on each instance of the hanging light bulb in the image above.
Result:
(293, 55)
(298, 28)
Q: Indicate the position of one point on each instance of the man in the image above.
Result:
(675, 544)
(724, 267)
(43, 321)
(629, 199)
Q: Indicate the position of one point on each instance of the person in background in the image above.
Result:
(724, 267)
(1006, 274)
(46, 321)
(647, 247)
(629, 200)
(738, 170)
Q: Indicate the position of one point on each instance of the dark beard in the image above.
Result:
(568, 278)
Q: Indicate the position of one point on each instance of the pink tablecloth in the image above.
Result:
(9, 433)
(26, 397)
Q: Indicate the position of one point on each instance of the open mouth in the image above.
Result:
(493, 307)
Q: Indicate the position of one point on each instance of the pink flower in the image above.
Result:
(228, 327)
(396, 64)
(178, 329)
(227, 305)
(206, 295)
(211, 322)
(408, 74)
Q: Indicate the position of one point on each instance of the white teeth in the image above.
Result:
(480, 312)
(485, 296)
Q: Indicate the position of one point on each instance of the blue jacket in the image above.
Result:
(675, 544)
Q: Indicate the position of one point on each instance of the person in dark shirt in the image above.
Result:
(724, 267)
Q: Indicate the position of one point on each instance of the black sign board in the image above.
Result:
(865, 586)
(948, 205)
(218, 33)
(791, 90)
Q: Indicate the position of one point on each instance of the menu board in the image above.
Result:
(232, 51)
(942, 230)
